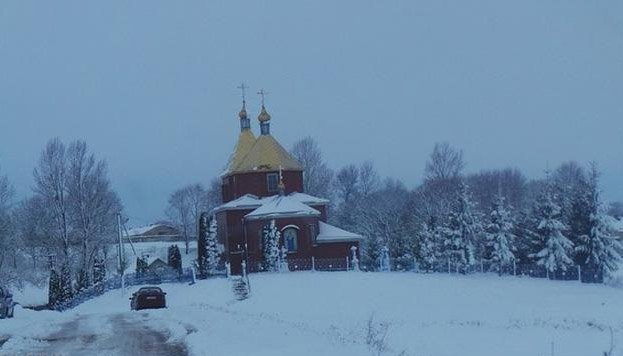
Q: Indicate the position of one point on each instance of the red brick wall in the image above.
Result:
(256, 183)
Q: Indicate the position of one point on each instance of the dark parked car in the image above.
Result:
(6, 304)
(148, 298)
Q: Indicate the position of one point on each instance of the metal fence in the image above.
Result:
(302, 264)
(585, 274)
(132, 279)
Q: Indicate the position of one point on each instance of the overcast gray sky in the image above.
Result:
(151, 85)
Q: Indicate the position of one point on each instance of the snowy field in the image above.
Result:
(309, 313)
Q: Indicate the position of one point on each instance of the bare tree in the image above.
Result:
(197, 200)
(50, 184)
(317, 176)
(7, 246)
(34, 224)
(445, 163)
(92, 204)
(509, 182)
(213, 196)
(369, 179)
(185, 207)
(347, 183)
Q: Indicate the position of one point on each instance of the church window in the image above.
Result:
(290, 239)
(312, 233)
(273, 181)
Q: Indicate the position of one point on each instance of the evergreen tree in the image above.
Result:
(499, 235)
(82, 281)
(201, 246)
(460, 233)
(429, 246)
(66, 289)
(141, 266)
(271, 246)
(99, 271)
(553, 248)
(54, 289)
(174, 258)
(212, 253)
(371, 252)
(579, 218)
(599, 248)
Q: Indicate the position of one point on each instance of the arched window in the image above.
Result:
(290, 239)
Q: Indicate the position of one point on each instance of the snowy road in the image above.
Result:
(117, 334)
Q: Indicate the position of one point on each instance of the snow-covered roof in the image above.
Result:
(250, 201)
(330, 233)
(308, 199)
(247, 201)
(281, 205)
(136, 231)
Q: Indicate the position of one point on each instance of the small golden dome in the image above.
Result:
(243, 112)
(264, 116)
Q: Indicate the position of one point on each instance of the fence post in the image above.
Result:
(514, 268)
(579, 273)
(355, 259)
(347, 263)
(228, 269)
(313, 264)
(482, 267)
(244, 268)
(192, 271)
(449, 266)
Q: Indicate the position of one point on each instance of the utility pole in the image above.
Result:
(120, 254)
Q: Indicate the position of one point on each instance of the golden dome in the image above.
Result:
(243, 112)
(264, 116)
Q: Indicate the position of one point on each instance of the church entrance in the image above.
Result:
(235, 261)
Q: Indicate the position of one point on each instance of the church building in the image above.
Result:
(262, 183)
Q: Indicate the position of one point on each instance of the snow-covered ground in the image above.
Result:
(30, 295)
(309, 313)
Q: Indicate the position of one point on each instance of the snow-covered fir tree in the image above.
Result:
(99, 271)
(83, 280)
(201, 246)
(271, 246)
(499, 235)
(54, 289)
(211, 254)
(428, 246)
(174, 258)
(599, 248)
(460, 233)
(141, 266)
(553, 248)
(66, 291)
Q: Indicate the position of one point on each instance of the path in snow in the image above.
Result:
(116, 334)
